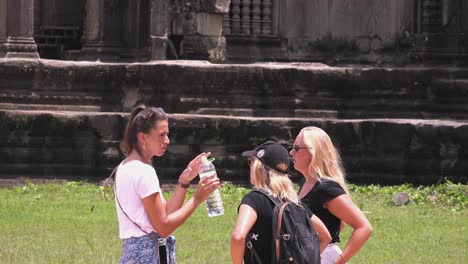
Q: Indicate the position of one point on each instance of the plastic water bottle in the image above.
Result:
(214, 202)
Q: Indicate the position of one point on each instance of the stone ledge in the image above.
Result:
(187, 86)
(388, 151)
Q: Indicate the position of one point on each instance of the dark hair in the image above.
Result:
(141, 119)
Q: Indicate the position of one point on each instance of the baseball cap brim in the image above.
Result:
(248, 153)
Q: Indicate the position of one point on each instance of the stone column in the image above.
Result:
(3, 27)
(37, 16)
(16, 29)
(159, 28)
(135, 35)
(102, 38)
(464, 22)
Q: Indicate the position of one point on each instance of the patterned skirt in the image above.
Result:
(148, 249)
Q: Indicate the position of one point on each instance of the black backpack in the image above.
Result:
(294, 237)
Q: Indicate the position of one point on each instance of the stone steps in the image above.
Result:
(392, 125)
(247, 105)
(52, 107)
(84, 145)
(268, 89)
(320, 113)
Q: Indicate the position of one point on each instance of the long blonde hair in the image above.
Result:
(326, 161)
(278, 184)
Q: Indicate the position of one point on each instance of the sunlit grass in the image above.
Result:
(72, 223)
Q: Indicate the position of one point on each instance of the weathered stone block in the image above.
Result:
(204, 48)
(205, 24)
(209, 24)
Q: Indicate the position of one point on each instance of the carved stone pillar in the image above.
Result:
(135, 26)
(236, 20)
(464, 20)
(159, 28)
(245, 17)
(3, 27)
(37, 16)
(16, 29)
(102, 38)
(432, 15)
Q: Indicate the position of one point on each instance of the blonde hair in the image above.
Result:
(326, 161)
(278, 184)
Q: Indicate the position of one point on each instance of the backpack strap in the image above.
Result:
(249, 235)
(275, 201)
(252, 248)
(278, 230)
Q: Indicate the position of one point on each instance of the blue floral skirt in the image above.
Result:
(146, 250)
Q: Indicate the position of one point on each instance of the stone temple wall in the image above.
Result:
(391, 125)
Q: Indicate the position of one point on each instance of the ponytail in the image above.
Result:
(273, 181)
(141, 119)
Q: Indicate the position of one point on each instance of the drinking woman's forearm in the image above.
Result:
(178, 198)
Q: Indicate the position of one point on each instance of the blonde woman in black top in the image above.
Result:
(268, 165)
(325, 192)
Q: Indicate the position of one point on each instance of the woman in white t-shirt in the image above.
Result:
(143, 213)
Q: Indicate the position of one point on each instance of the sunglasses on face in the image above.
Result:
(297, 148)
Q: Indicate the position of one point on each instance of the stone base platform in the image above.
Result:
(64, 120)
(74, 146)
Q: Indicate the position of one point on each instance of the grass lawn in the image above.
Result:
(72, 223)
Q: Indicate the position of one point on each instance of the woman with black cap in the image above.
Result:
(268, 172)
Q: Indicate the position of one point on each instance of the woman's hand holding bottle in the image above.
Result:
(192, 168)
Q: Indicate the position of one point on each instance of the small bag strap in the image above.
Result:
(162, 260)
(114, 175)
(107, 183)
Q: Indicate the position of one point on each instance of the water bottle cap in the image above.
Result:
(205, 159)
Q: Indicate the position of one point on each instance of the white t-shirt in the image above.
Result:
(135, 180)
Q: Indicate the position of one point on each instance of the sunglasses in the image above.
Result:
(149, 114)
(297, 148)
(250, 160)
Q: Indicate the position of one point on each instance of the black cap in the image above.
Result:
(271, 154)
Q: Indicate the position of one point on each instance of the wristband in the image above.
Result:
(183, 185)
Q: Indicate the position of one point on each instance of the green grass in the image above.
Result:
(72, 223)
